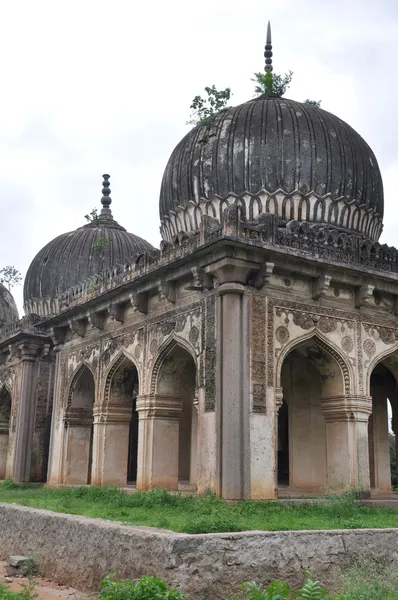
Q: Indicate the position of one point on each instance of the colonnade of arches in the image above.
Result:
(328, 437)
(105, 439)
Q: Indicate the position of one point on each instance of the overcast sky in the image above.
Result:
(92, 87)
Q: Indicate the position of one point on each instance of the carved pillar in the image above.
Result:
(347, 448)
(26, 412)
(380, 458)
(111, 444)
(233, 372)
(158, 442)
(77, 456)
(233, 392)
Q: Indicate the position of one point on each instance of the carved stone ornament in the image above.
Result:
(153, 346)
(387, 336)
(282, 334)
(369, 347)
(347, 344)
(194, 335)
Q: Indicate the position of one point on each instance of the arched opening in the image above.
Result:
(123, 392)
(176, 380)
(78, 446)
(5, 414)
(383, 389)
(311, 379)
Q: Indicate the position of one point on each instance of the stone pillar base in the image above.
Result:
(158, 442)
(111, 444)
(347, 447)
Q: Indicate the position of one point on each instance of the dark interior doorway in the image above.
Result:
(283, 445)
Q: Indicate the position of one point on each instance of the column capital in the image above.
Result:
(156, 406)
(29, 351)
(232, 270)
(347, 408)
(112, 413)
(78, 417)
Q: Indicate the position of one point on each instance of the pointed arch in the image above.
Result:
(390, 353)
(325, 344)
(171, 343)
(121, 356)
(81, 367)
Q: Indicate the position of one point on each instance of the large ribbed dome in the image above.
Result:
(275, 155)
(8, 308)
(73, 257)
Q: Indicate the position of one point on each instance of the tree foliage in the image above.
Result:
(10, 276)
(205, 108)
(271, 85)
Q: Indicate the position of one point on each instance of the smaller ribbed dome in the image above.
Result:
(8, 308)
(73, 257)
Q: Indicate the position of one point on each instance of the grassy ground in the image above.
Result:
(191, 514)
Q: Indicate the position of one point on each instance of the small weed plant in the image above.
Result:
(280, 590)
(28, 592)
(146, 588)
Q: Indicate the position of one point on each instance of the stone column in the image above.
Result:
(193, 476)
(111, 444)
(77, 447)
(347, 448)
(233, 392)
(26, 412)
(54, 452)
(158, 441)
(380, 445)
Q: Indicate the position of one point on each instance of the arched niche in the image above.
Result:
(384, 393)
(176, 380)
(121, 436)
(78, 428)
(5, 416)
(311, 378)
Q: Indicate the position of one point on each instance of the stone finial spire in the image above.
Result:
(106, 199)
(268, 50)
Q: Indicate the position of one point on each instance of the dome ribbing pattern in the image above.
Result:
(268, 145)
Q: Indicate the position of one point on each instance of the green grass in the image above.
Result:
(206, 514)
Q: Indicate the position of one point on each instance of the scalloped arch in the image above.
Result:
(345, 367)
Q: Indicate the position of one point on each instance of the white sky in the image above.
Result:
(92, 87)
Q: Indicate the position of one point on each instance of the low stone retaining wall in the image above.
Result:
(80, 551)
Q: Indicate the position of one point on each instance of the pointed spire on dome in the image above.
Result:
(268, 50)
(106, 199)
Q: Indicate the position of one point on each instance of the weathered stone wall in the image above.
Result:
(81, 551)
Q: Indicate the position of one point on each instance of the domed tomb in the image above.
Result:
(8, 308)
(278, 156)
(73, 257)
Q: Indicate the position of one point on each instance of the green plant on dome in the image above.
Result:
(93, 216)
(205, 108)
(316, 103)
(271, 85)
(101, 245)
